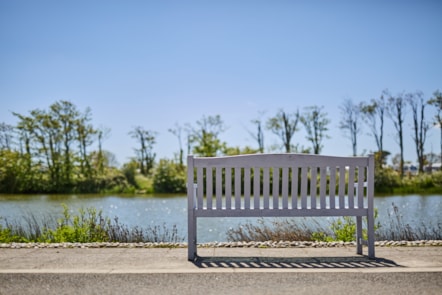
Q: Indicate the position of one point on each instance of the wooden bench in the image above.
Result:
(306, 185)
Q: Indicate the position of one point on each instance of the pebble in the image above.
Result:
(266, 244)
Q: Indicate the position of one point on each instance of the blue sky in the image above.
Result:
(158, 63)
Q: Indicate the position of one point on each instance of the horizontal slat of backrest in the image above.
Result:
(279, 160)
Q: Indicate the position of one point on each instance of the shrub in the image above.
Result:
(385, 180)
(275, 230)
(169, 177)
(88, 226)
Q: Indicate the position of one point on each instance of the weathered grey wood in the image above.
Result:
(351, 187)
(370, 206)
(275, 189)
(341, 187)
(246, 187)
(256, 187)
(191, 216)
(209, 188)
(237, 188)
(268, 185)
(219, 188)
(270, 212)
(304, 180)
(285, 188)
(313, 187)
(229, 188)
(200, 196)
(332, 191)
(322, 188)
(295, 171)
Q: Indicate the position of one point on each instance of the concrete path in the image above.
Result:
(397, 270)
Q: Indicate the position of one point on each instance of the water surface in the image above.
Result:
(145, 211)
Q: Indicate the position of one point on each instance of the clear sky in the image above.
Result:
(158, 63)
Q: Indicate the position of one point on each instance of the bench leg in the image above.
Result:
(191, 237)
(370, 234)
(359, 235)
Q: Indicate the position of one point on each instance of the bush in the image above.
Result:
(276, 230)
(386, 180)
(169, 177)
(88, 226)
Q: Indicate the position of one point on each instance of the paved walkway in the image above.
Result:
(234, 270)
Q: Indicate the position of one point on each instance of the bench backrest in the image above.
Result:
(280, 181)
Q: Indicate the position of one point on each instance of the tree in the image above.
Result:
(145, 155)
(103, 158)
(350, 122)
(85, 134)
(420, 125)
(436, 101)
(6, 136)
(65, 116)
(177, 131)
(315, 122)
(396, 109)
(55, 142)
(373, 112)
(259, 135)
(204, 137)
(284, 125)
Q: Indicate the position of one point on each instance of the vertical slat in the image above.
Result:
(295, 187)
(275, 188)
(285, 188)
(351, 187)
(370, 201)
(247, 188)
(304, 187)
(219, 188)
(341, 187)
(323, 188)
(256, 187)
(332, 187)
(228, 195)
(361, 177)
(191, 217)
(237, 188)
(359, 235)
(200, 183)
(266, 182)
(209, 187)
(313, 187)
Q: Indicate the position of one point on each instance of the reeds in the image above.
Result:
(341, 229)
(398, 230)
(88, 226)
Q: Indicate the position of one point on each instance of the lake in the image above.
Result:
(145, 211)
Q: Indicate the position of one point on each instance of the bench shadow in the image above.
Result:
(353, 262)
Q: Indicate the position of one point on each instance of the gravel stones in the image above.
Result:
(267, 244)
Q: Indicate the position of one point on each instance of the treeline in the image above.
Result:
(58, 150)
(50, 151)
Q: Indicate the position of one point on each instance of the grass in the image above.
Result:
(341, 229)
(87, 226)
